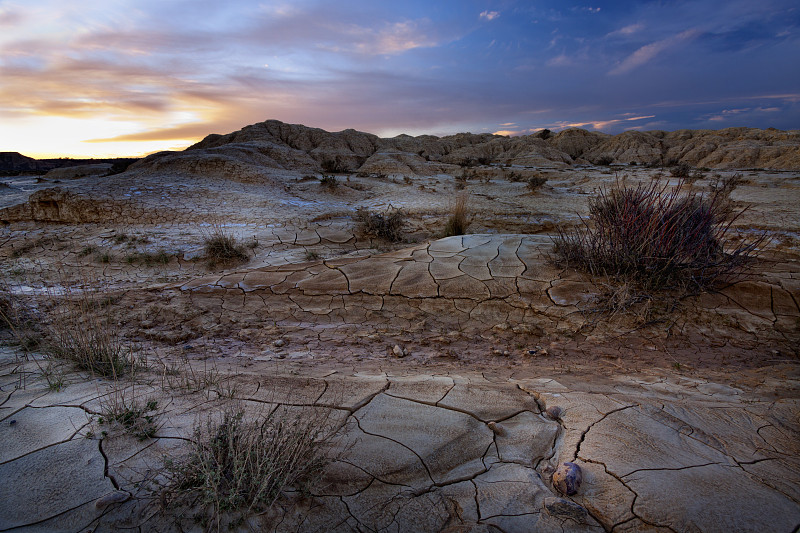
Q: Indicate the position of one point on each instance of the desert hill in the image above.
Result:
(14, 163)
(276, 145)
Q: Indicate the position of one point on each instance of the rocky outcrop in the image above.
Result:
(250, 153)
(79, 171)
(575, 142)
(14, 162)
(730, 148)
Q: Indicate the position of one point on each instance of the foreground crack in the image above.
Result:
(583, 435)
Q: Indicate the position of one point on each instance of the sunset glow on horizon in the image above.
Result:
(121, 78)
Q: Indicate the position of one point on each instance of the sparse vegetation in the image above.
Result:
(387, 225)
(458, 221)
(221, 246)
(76, 332)
(334, 166)
(239, 465)
(658, 238)
(137, 417)
(104, 257)
(535, 183)
(514, 177)
(681, 170)
(724, 186)
(329, 182)
(86, 250)
(161, 257)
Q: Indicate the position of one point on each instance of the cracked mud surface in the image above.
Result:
(689, 424)
(658, 450)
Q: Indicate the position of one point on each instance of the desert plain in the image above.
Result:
(455, 374)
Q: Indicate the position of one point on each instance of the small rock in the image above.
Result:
(506, 353)
(13, 422)
(398, 351)
(565, 509)
(279, 343)
(497, 429)
(554, 412)
(567, 478)
(118, 496)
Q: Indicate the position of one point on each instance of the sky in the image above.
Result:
(105, 78)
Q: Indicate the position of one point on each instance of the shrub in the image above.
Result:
(513, 177)
(329, 182)
(724, 186)
(222, 246)
(681, 170)
(387, 225)
(239, 465)
(458, 221)
(657, 238)
(535, 183)
(334, 166)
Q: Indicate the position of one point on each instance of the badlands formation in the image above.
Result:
(460, 372)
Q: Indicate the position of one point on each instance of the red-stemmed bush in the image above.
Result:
(659, 237)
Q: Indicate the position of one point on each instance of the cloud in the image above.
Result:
(727, 114)
(9, 18)
(489, 15)
(647, 53)
(600, 124)
(627, 30)
(393, 39)
(561, 60)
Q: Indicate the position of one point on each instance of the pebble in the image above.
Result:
(554, 412)
(565, 509)
(497, 429)
(567, 478)
(398, 351)
(118, 496)
(279, 343)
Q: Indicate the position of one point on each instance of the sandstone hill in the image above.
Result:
(252, 151)
(14, 164)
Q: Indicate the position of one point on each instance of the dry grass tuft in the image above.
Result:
(239, 465)
(137, 416)
(223, 247)
(387, 225)
(80, 330)
(458, 221)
